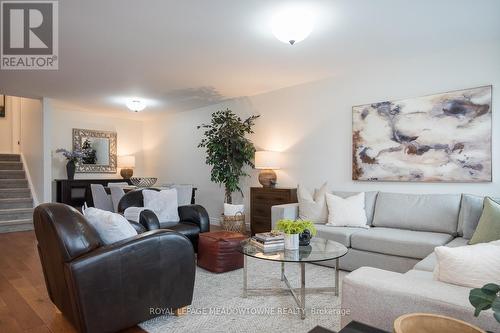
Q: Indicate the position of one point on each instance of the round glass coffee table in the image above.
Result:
(317, 251)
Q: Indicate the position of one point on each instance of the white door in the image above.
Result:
(15, 107)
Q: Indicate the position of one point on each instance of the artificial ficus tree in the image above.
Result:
(228, 149)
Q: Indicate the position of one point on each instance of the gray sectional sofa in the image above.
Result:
(393, 260)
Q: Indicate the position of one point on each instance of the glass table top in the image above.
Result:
(318, 250)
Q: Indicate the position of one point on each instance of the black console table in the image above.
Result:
(76, 192)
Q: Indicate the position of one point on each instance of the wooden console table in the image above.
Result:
(261, 201)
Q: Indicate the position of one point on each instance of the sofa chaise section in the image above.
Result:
(428, 263)
(377, 297)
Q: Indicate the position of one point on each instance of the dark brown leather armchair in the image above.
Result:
(193, 218)
(109, 288)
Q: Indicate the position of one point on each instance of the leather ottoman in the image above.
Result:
(218, 251)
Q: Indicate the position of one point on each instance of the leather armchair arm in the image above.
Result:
(138, 227)
(149, 220)
(195, 214)
(128, 279)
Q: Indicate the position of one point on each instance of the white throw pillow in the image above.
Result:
(346, 212)
(163, 203)
(111, 227)
(312, 207)
(470, 266)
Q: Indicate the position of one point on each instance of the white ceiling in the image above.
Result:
(191, 53)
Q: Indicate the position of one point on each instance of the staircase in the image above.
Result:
(16, 204)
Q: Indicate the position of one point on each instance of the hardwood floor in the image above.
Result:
(25, 305)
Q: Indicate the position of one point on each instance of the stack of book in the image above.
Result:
(269, 241)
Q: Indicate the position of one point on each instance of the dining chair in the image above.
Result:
(117, 193)
(184, 193)
(101, 199)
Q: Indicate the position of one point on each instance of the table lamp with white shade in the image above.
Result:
(267, 161)
(127, 165)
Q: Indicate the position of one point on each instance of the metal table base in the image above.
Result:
(298, 294)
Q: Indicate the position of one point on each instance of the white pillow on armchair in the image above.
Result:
(163, 203)
(110, 226)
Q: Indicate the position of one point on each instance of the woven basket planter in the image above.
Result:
(234, 223)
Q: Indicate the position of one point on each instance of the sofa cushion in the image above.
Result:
(470, 266)
(370, 199)
(419, 212)
(337, 234)
(312, 207)
(428, 263)
(470, 212)
(488, 228)
(399, 242)
(346, 212)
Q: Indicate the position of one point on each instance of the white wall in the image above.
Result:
(32, 145)
(311, 124)
(62, 122)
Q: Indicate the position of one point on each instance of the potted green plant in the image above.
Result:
(487, 297)
(228, 151)
(292, 229)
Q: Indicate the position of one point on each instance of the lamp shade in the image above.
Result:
(267, 160)
(127, 161)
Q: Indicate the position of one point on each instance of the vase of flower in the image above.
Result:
(73, 158)
(70, 170)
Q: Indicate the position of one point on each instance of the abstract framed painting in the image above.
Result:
(437, 138)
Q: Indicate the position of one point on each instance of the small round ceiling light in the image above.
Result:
(292, 25)
(136, 104)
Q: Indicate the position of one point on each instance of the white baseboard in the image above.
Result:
(30, 183)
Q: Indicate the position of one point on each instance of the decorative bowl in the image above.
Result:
(143, 181)
(431, 323)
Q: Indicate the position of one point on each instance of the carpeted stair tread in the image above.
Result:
(16, 225)
(10, 165)
(16, 203)
(10, 158)
(16, 214)
(12, 193)
(13, 183)
(12, 174)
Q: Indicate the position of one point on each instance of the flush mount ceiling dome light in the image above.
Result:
(292, 25)
(136, 105)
